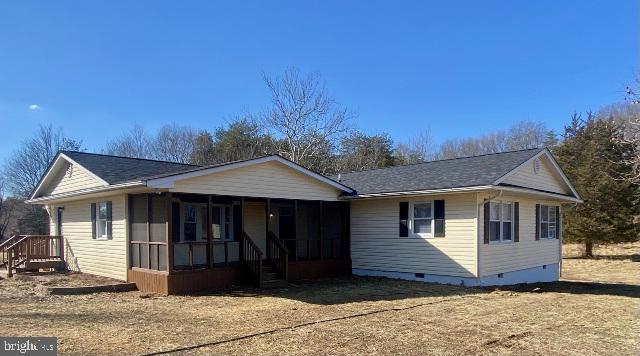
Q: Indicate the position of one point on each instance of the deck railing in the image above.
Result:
(277, 255)
(251, 257)
(20, 249)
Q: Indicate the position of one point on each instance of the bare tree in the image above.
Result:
(7, 208)
(522, 135)
(420, 148)
(360, 152)
(304, 117)
(27, 164)
(135, 143)
(631, 128)
(526, 134)
(173, 143)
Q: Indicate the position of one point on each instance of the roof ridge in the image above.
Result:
(445, 159)
(126, 157)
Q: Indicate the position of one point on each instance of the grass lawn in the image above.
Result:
(350, 316)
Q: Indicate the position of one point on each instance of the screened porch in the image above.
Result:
(175, 232)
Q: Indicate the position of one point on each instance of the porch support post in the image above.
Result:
(295, 230)
(210, 260)
(268, 216)
(321, 228)
(241, 245)
(169, 232)
(148, 246)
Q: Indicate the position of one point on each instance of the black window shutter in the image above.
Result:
(109, 219)
(404, 219)
(438, 215)
(558, 223)
(93, 220)
(486, 221)
(537, 221)
(516, 222)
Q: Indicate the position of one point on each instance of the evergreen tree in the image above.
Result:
(593, 158)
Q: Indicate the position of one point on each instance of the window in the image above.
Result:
(500, 221)
(422, 218)
(223, 222)
(548, 221)
(103, 220)
(190, 223)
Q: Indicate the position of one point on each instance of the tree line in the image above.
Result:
(303, 123)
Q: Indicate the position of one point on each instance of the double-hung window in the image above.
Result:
(103, 220)
(422, 219)
(548, 222)
(500, 221)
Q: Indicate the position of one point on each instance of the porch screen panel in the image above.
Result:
(158, 219)
(332, 230)
(308, 230)
(139, 218)
(148, 215)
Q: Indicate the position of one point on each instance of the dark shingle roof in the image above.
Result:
(451, 173)
(116, 169)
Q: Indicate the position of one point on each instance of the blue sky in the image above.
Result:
(459, 67)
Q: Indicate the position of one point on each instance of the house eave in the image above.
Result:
(456, 190)
(83, 192)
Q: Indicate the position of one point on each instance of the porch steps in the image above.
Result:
(271, 278)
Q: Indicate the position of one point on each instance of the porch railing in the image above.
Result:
(20, 249)
(277, 255)
(251, 257)
(313, 249)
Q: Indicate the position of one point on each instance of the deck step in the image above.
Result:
(274, 283)
(268, 276)
(36, 265)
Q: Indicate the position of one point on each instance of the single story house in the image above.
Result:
(175, 228)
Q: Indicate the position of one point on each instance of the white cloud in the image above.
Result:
(34, 107)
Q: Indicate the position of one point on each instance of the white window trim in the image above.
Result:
(555, 224)
(411, 218)
(98, 221)
(502, 221)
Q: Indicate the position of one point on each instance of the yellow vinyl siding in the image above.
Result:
(71, 180)
(270, 179)
(106, 258)
(376, 245)
(528, 252)
(547, 178)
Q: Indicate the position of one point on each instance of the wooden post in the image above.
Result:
(9, 263)
(241, 245)
(295, 230)
(267, 215)
(321, 228)
(210, 261)
(169, 232)
(149, 197)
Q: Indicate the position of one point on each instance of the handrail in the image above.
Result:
(251, 257)
(278, 255)
(6, 242)
(25, 237)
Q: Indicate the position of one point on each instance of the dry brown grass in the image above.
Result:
(612, 263)
(338, 317)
